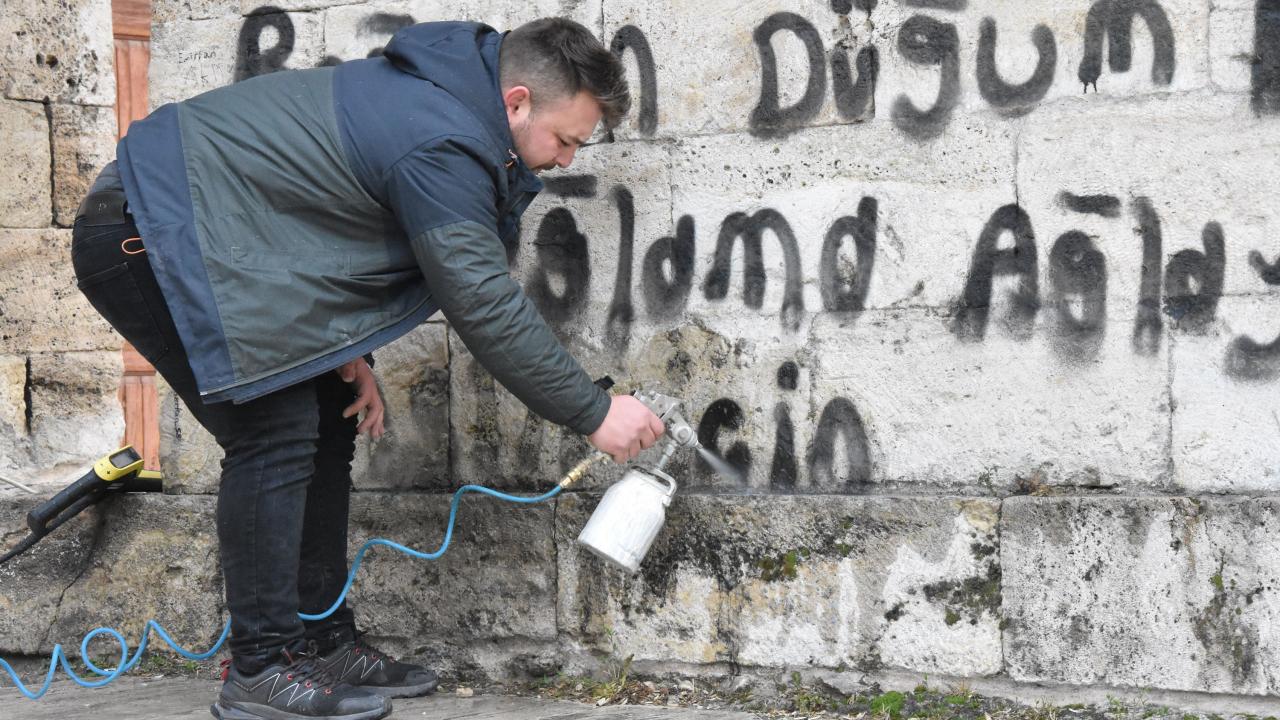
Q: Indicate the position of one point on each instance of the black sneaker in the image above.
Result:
(295, 688)
(345, 655)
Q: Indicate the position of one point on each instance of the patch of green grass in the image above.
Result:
(889, 704)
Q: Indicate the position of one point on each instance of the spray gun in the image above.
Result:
(633, 510)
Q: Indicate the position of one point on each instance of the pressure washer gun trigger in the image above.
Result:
(667, 409)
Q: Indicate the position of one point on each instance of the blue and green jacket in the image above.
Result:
(299, 220)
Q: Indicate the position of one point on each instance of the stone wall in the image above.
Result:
(980, 299)
(59, 362)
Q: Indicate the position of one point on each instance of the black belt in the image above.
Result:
(106, 206)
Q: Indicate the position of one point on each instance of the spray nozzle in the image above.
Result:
(679, 431)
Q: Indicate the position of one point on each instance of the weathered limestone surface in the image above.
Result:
(84, 141)
(486, 607)
(414, 377)
(32, 584)
(156, 557)
(41, 310)
(828, 582)
(1176, 593)
(75, 415)
(59, 51)
(1227, 401)
(13, 409)
(24, 177)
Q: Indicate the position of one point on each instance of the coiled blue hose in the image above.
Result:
(127, 663)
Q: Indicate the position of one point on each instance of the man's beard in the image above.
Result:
(522, 133)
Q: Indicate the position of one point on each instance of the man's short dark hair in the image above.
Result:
(558, 58)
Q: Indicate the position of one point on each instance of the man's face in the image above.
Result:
(549, 136)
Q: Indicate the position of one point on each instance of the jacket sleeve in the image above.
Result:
(445, 200)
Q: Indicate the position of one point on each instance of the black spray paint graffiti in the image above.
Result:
(562, 253)
(1113, 20)
(840, 431)
(751, 229)
(668, 271)
(253, 60)
(929, 41)
(1192, 281)
(926, 41)
(721, 415)
(989, 262)
(629, 37)
(1078, 275)
(844, 284)
(1019, 99)
(839, 421)
(854, 95)
(921, 40)
(783, 471)
(1248, 360)
(621, 312)
(769, 119)
(668, 264)
(1150, 324)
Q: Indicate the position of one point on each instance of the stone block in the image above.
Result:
(24, 179)
(1154, 593)
(40, 308)
(1001, 414)
(14, 445)
(60, 51)
(75, 411)
(192, 57)
(1197, 161)
(484, 608)
(414, 376)
(32, 584)
(156, 558)
(910, 583)
(1226, 388)
(84, 141)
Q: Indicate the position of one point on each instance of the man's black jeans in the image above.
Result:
(286, 477)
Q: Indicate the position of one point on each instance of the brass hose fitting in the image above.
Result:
(580, 469)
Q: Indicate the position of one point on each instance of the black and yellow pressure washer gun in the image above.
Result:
(117, 472)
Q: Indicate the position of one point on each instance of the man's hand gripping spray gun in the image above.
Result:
(633, 510)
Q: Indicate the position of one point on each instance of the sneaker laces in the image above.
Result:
(304, 665)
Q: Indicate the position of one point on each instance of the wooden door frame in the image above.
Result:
(131, 30)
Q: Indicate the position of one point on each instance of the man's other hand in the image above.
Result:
(358, 374)
(628, 428)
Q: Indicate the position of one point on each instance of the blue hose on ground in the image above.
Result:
(126, 663)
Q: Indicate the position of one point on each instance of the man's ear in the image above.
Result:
(518, 102)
